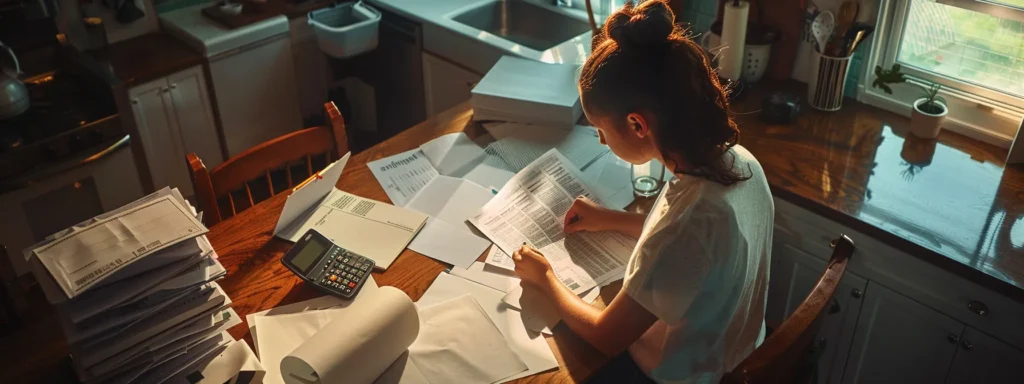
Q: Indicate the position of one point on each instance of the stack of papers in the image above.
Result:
(135, 291)
(528, 91)
(520, 144)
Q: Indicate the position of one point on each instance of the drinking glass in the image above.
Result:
(647, 178)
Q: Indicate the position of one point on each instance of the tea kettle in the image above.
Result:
(14, 97)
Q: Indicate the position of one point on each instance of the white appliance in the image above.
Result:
(251, 72)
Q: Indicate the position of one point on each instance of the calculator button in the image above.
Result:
(365, 267)
(360, 273)
(334, 277)
(347, 290)
(345, 282)
(345, 260)
(351, 285)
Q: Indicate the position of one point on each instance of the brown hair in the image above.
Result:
(643, 61)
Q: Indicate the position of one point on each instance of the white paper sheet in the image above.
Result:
(356, 345)
(447, 236)
(236, 364)
(519, 144)
(403, 175)
(530, 346)
(323, 302)
(453, 154)
(82, 259)
(459, 343)
(452, 244)
(488, 176)
(306, 196)
(531, 209)
(482, 273)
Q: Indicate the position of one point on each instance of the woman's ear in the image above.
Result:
(638, 124)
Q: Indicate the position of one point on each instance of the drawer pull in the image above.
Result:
(967, 345)
(977, 307)
(953, 338)
(856, 293)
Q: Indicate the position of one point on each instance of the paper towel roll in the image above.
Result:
(359, 344)
(734, 35)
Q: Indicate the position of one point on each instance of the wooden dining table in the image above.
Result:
(256, 280)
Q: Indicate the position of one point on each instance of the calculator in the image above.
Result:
(328, 267)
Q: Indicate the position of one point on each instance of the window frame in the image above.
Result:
(974, 111)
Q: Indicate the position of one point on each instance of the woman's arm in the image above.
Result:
(586, 215)
(611, 330)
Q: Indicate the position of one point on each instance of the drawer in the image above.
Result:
(911, 276)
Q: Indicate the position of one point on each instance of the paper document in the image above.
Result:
(403, 175)
(452, 244)
(530, 346)
(519, 144)
(309, 194)
(236, 365)
(458, 342)
(80, 260)
(367, 227)
(487, 275)
(531, 209)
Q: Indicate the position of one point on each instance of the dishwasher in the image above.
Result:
(395, 73)
(252, 74)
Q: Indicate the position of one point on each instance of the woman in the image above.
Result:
(692, 302)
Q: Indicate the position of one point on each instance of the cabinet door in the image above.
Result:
(155, 119)
(794, 273)
(446, 84)
(899, 340)
(192, 110)
(983, 359)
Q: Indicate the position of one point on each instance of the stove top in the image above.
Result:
(59, 123)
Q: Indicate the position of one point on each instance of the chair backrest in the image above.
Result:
(784, 356)
(267, 169)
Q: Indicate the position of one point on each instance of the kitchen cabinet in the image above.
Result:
(173, 117)
(984, 360)
(898, 340)
(446, 84)
(794, 274)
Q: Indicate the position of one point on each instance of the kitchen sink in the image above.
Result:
(524, 23)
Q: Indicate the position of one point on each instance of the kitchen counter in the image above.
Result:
(436, 17)
(144, 58)
(952, 201)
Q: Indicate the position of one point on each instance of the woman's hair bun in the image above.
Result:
(647, 24)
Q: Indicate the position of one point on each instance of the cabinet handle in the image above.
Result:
(953, 338)
(174, 85)
(856, 293)
(835, 308)
(135, 101)
(977, 307)
(165, 90)
(967, 345)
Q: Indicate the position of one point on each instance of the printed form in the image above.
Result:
(531, 208)
(84, 258)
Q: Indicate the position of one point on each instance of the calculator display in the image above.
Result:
(308, 256)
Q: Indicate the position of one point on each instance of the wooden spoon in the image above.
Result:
(846, 16)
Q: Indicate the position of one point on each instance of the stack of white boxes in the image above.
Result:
(527, 91)
(132, 312)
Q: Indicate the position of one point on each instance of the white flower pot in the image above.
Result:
(924, 124)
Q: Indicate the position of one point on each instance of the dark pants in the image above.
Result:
(619, 370)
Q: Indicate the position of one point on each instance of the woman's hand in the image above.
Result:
(586, 215)
(531, 266)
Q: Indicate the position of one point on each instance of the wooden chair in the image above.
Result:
(787, 355)
(266, 169)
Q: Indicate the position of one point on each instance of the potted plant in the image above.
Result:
(929, 111)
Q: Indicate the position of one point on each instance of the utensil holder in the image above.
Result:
(827, 81)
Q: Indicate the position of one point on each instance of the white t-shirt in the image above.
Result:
(701, 267)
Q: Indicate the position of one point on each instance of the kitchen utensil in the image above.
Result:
(14, 99)
(862, 34)
(822, 28)
(846, 17)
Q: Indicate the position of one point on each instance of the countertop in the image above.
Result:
(439, 13)
(144, 58)
(952, 201)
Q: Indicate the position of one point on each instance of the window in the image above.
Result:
(974, 48)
